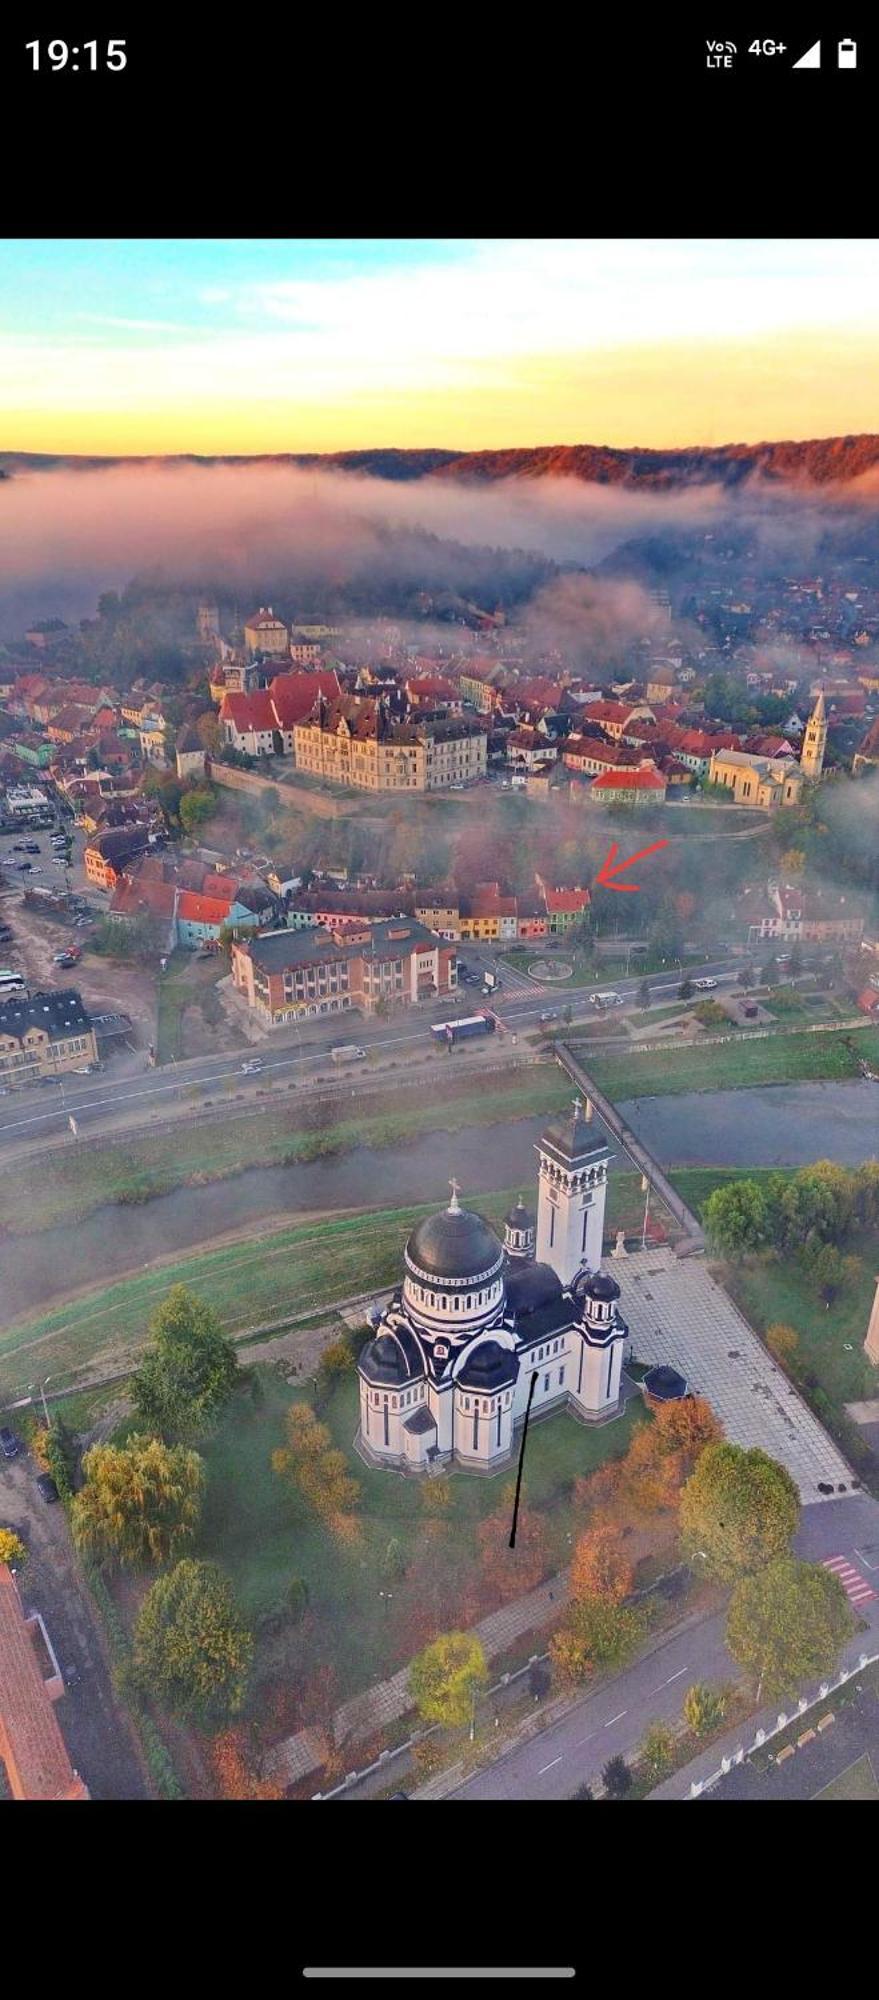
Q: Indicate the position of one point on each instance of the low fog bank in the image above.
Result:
(67, 536)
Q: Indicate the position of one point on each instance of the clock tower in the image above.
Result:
(572, 1193)
(815, 740)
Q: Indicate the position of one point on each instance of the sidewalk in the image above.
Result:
(738, 1743)
(291, 1760)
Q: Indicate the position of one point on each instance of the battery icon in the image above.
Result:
(847, 55)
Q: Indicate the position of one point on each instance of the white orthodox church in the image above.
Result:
(447, 1375)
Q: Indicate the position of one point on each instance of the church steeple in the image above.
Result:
(815, 740)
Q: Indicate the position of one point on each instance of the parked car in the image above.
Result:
(550, 1014)
(9, 1444)
(24, 867)
(31, 847)
(704, 985)
(47, 1489)
(251, 1068)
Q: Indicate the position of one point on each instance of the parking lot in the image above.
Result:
(94, 1727)
(36, 939)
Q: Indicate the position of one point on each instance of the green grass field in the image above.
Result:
(263, 1535)
(857, 1782)
(269, 1274)
(831, 1343)
(733, 1066)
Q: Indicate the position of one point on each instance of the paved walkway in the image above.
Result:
(678, 1313)
(291, 1760)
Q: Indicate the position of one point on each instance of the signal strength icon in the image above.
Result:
(811, 59)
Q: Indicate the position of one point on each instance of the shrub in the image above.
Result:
(616, 1778)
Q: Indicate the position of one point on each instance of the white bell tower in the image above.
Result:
(572, 1193)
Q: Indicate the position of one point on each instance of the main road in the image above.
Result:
(133, 1095)
(612, 1721)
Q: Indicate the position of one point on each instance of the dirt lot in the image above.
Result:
(106, 988)
(93, 1726)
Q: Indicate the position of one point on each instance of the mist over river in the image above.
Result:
(775, 1125)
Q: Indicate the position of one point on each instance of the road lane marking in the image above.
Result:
(548, 1767)
(616, 1718)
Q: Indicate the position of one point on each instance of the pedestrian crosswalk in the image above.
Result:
(856, 1587)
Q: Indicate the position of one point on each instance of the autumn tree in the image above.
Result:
(596, 1634)
(233, 1759)
(600, 1567)
(191, 1648)
(506, 1572)
(140, 1503)
(739, 1510)
(657, 1750)
(445, 1679)
(12, 1549)
(787, 1624)
(336, 1362)
(310, 1462)
(188, 1372)
(704, 1708)
(664, 1452)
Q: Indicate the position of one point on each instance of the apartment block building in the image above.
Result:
(393, 963)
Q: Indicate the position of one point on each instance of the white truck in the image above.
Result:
(349, 1052)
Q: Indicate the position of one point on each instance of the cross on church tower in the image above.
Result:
(453, 1204)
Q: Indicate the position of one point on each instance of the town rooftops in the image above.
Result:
(249, 711)
(195, 909)
(293, 695)
(391, 937)
(59, 1013)
(31, 1744)
(630, 781)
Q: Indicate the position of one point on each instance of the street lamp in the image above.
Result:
(387, 1597)
(42, 1389)
(645, 1190)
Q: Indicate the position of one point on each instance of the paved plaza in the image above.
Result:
(678, 1313)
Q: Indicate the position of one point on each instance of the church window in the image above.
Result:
(609, 1371)
(476, 1431)
(561, 1376)
(433, 1298)
(585, 1220)
(469, 1299)
(457, 1304)
(545, 1384)
(393, 1402)
(551, 1227)
(466, 1402)
(499, 1421)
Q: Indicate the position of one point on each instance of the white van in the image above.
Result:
(606, 1000)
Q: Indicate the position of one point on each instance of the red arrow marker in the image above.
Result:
(612, 867)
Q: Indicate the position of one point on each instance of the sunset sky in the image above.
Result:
(294, 345)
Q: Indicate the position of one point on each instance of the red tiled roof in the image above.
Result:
(293, 695)
(31, 1744)
(141, 895)
(193, 909)
(639, 781)
(566, 899)
(249, 711)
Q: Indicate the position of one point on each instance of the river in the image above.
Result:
(775, 1125)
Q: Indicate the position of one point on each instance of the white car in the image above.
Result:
(704, 985)
(251, 1068)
